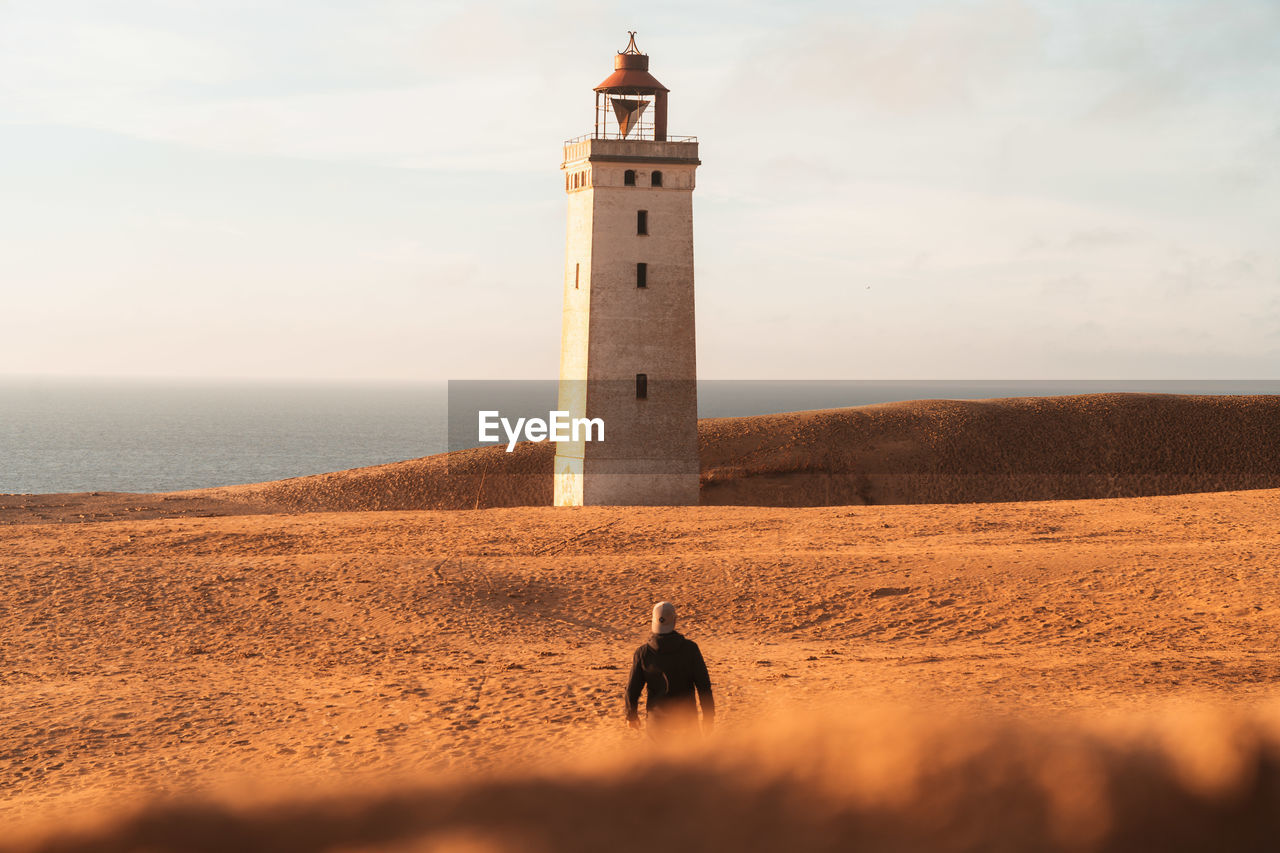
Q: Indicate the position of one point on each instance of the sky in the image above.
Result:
(1002, 189)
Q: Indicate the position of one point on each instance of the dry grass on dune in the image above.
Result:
(931, 451)
(1185, 781)
(949, 451)
(479, 478)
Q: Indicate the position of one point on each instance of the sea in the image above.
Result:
(80, 435)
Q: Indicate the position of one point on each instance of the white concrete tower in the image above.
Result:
(627, 353)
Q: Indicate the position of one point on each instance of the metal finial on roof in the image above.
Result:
(631, 45)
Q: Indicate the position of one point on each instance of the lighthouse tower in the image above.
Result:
(627, 354)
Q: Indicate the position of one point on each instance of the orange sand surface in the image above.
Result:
(916, 642)
(1076, 675)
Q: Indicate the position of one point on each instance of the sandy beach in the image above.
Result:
(403, 661)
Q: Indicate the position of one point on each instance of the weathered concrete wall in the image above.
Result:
(614, 330)
(575, 329)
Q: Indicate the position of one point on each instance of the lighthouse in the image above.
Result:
(627, 349)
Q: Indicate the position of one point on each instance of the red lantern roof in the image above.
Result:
(631, 74)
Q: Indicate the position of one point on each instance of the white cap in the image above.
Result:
(664, 617)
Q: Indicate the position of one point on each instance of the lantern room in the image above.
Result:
(631, 103)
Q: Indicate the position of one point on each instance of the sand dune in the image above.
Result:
(870, 782)
(224, 670)
(939, 451)
(932, 451)
(179, 657)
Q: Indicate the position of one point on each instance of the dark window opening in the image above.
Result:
(577, 270)
(656, 179)
(629, 177)
(642, 222)
(642, 275)
(642, 386)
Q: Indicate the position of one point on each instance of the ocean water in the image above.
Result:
(136, 436)
(61, 435)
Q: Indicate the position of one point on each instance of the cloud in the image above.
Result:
(415, 89)
(49, 54)
(1100, 237)
(932, 57)
(1041, 176)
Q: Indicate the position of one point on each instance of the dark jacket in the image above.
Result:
(671, 668)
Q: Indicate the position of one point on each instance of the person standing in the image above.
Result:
(671, 669)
